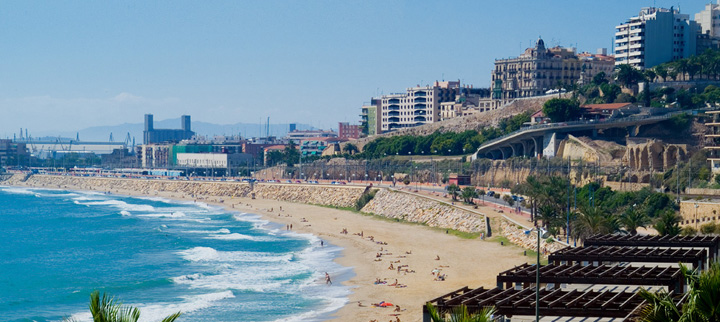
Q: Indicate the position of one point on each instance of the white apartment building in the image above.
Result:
(419, 105)
(655, 36)
(708, 20)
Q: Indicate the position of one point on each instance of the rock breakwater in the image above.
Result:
(407, 207)
(516, 235)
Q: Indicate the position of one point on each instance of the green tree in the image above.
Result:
(668, 224)
(291, 154)
(350, 148)
(627, 75)
(632, 219)
(468, 193)
(599, 78)
(107, 309)
(590, 221)
(661, 71)
(460, 314)
(561, 109)
(508, 198)
(453, 190)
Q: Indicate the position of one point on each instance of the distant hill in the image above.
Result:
(119, 132)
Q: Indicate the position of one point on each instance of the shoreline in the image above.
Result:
(465, 262)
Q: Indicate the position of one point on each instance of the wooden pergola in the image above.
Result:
(712, 243)
(524, 275)
(612, 254)
(557, 302)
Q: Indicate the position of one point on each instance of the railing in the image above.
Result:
(575, 123)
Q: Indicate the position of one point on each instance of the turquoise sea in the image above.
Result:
(160, 255)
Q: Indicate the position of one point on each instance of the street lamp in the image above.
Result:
(544, 234)
(696, 224)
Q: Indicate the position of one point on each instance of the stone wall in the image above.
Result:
(338, 196)
(516, 235)
(704, 213)
(412, 208)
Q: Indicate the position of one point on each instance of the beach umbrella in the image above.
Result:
(385, 304)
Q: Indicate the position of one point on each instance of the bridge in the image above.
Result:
(543, 139)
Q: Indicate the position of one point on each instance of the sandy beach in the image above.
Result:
(412, 247)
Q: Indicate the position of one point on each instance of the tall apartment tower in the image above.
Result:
(655, 36)
(417, 106)
(185, 123)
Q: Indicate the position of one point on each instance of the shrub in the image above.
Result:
(364, 199)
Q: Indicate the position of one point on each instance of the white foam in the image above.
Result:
(219, 231)
(168, 215)
(122, 205)
(256, 220)
(22, 191)
(125, 213)
(233, 236)
(208, 254)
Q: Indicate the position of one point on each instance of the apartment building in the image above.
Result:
(655, 36)
(541, 69)
(417, 106)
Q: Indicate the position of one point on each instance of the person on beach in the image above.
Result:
(327, 279)
(322, 244)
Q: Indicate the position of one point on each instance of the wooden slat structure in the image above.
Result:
(712, 243)
(696, 257)
(602, 275)
(556, 302)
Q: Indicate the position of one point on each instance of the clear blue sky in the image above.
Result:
(68, 65)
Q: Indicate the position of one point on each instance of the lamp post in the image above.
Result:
(696, 223)
(540, 233)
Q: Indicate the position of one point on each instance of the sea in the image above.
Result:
(163, 256)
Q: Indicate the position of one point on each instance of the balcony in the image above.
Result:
(394, 119)
(420, 93)
(394, 107)
(394, 113)
(393, 101)
(420, 119)
(420, 100)
(420, 112)
(419, 106)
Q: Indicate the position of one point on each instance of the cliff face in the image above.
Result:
(417, 209)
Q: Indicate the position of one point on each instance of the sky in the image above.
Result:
(69, 65)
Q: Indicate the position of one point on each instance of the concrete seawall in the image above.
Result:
(407, 207)
(337, 196)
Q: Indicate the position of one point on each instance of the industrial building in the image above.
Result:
(152, 135)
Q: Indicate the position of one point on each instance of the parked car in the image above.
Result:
(490, 193)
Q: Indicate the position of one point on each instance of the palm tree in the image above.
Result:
(460, 314)
(702, 301)
(107, 309)
(453, 190)
(667, 224)
(661, 71)
(350, 148)
(468, 193)
(627, 75)
(632, 219)
(590, 221)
